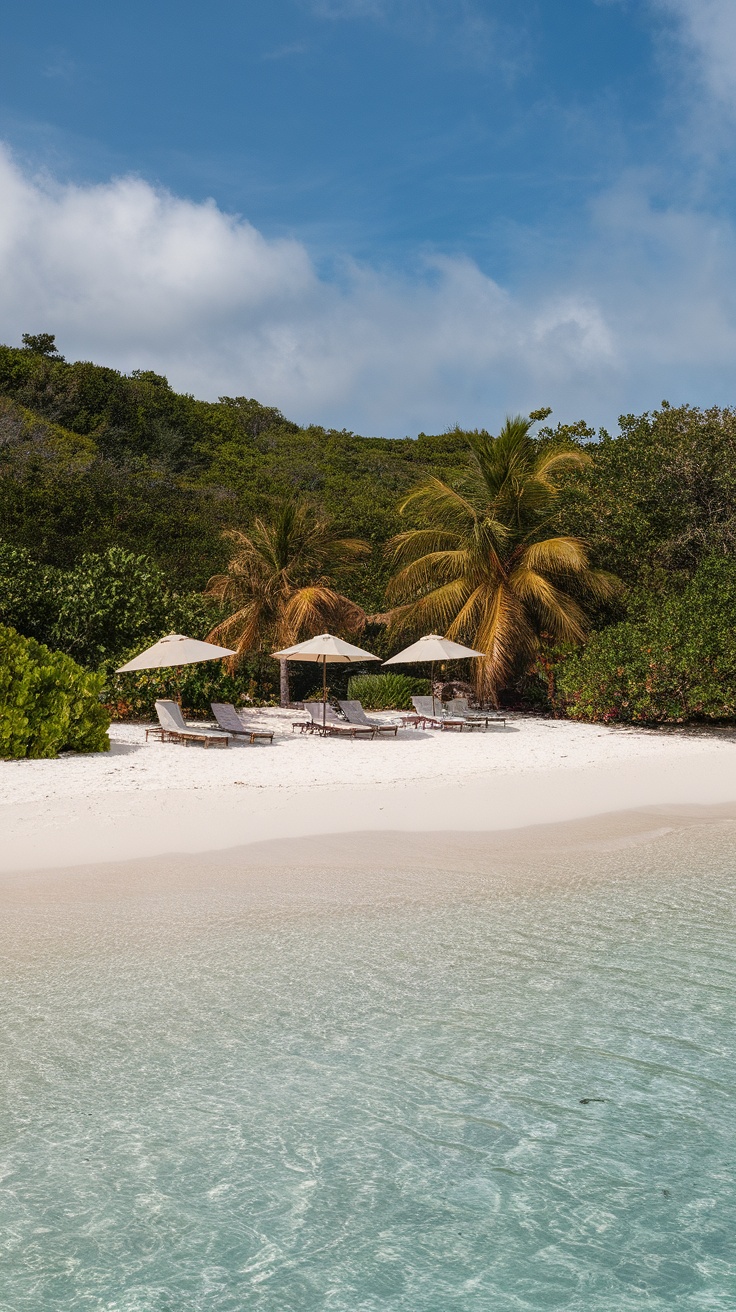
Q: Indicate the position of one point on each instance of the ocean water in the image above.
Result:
(475, 1093)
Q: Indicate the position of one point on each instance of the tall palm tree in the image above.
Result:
(280, 583)
(488, 568)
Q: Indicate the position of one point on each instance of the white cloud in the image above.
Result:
(707, 30)
(134, 277)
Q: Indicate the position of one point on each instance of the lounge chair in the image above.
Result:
(228, 719)
(459, 706)
(425, 712)
(174, 728)
(333, 726)
(430, 711)
(354, 714)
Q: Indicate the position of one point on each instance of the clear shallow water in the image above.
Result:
(321, 1105)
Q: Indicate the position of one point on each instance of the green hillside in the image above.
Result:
(92, 458)
(115, 490)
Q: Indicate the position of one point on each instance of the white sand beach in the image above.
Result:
(147, 799)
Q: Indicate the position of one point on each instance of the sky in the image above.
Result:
(390, 216)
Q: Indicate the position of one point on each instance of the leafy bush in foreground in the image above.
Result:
(676, 662)
(48, 703)
(383, 692)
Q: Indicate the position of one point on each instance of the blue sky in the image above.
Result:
(388, 215)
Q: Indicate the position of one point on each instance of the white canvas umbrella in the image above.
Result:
(172, 652)
(432, 647)
(326, 650)
(175, 650)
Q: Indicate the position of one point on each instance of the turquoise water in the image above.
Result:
(329, 1104)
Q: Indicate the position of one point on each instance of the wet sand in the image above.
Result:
(356, 868)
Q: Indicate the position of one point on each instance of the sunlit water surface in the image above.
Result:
(480, 1096)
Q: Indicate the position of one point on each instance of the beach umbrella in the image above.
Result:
(432, 647)
(172, 652)
(175, 650)
(325, 650)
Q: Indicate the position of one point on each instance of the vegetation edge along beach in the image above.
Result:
(596, 570)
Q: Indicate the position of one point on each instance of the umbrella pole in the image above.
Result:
(324, 692)
(431, 684)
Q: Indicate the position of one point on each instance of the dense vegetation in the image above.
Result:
(48, 703)
(91, 458)
(673, 661)
(115, 492)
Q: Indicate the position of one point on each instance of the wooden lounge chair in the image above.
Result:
(432, 712)
(354, 714)
(228, 719)
(334, 727)
(174, 728)
(438, 717)
(459, 706)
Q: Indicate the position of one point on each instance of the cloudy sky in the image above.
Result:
(384, 215)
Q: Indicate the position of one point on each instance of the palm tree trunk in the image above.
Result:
(284, 682)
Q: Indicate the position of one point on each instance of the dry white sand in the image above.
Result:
(147, 799)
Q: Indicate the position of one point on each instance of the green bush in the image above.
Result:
(675, 662)
(48, 704)
(106, 608)
(107, 604)
(28, 592)
(384, 692)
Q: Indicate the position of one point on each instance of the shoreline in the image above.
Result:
(353, 866)
(150, 801)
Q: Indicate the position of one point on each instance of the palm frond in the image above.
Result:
(442, 504)
(416, 542)
(560, 555)
(559, 613)
(340, 553)
(602, 585)
(558, 462)
(465, 623)
(243, 631)
(435, 610)
(506, 634)
(312, 608)
(430, 571)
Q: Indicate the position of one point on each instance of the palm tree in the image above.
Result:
(279, 582)
(488, 568)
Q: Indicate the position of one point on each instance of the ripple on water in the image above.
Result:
(517, 1101)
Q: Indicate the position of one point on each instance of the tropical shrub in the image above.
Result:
(383, 692)
(675, 661)
(102, 611)
(48, 704)
(28, 592)
(115, 603)
(660, 495)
